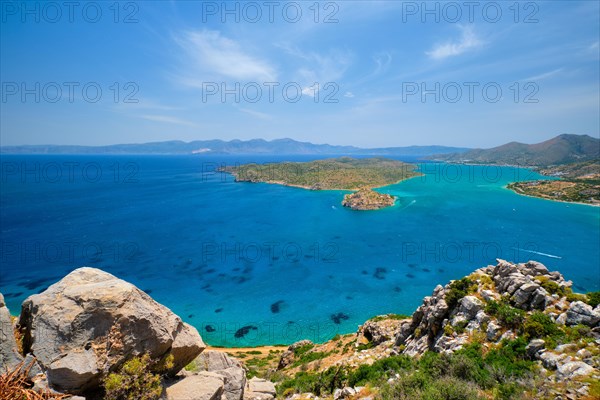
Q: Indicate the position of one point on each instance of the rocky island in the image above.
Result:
(344, 173)
(367, 199)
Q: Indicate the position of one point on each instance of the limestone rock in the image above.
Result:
(203, 386)
(9, 353)
(229, 368)
(288, 356)
(581, 313)
(260, 389)
(470, 306)
(90, 323)
(534, 347)
(572, 369)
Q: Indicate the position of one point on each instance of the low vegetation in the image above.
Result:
(342, 173)
(138, 379)
(461, 375)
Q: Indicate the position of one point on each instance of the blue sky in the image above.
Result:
(387, 73)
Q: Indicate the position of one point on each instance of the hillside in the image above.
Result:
(254, 146)
(342, 173)
(509, 331)
(559, 150)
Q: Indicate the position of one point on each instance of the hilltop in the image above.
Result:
(507, 331)
(562, 149)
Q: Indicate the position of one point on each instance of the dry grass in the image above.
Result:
(15, 385)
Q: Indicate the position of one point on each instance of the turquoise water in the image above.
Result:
(251, 264)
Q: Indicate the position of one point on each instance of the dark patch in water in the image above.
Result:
(441, 270)
(412, 265)
(380, 273)
(275, 258)
(330, 276)
(240, 279)
(364, 272)
(426, 270)
(276, 307)
(308, 256)
(148, 291)
(338, 318)
(218, 310)
(337, 237)
(411, 276)
(210, 270)
(397, 289)
(580, 288)
(247, 270)
(11, 295)
(34, 284)
(209, 328)
(191, 316)
(243, 331)
(207, 286)
(236, 269)
(349, 298)
(222, 275)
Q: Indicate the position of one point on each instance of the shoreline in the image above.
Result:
(549, 199)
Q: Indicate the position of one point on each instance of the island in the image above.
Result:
(579, 183)
(367, 199)
(359, 175)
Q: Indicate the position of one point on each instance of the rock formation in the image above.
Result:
(367, 199)
(90, 323)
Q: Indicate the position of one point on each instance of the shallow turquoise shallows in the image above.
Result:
(251, 264)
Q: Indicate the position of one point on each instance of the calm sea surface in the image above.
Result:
(251, 264)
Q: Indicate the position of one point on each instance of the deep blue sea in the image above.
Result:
(251, 264)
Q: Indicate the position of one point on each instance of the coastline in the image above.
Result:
(549, 199)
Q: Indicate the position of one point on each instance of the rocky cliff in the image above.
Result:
(521, 323)
(91, 324)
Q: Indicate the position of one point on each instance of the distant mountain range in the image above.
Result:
(255, 146)
(562, 149)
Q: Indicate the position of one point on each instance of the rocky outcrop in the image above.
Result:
(434, 326)
(584, 314)
(367, 199)
(260, 389)
(229, 368)
(9, 353)
(90, 323)
(202, 386)
(288, 356)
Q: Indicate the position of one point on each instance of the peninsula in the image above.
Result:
(344, 173)
(578, 183)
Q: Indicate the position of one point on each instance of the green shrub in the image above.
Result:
(317, 383)
(593, 298)
(506, 314)
(378, 371)
(134, 381)
(538, 325)
(310, 356)
(459, 289)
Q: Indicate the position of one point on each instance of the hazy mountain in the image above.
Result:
(254, 146)
(559, 150)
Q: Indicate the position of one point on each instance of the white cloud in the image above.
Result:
(212, 55)
(545, 75)
(257, 114)
(349, 95)
(468, 41)
(167, 119)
